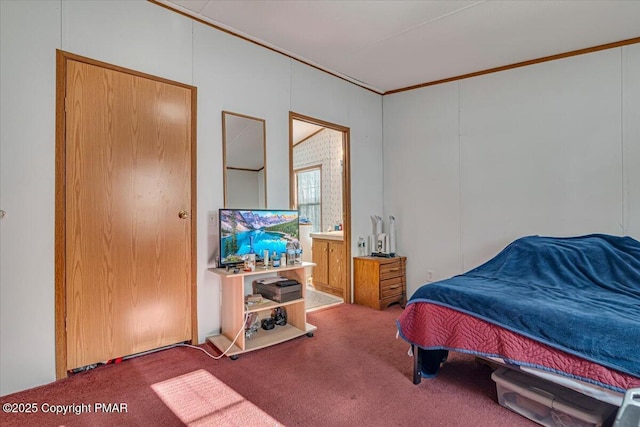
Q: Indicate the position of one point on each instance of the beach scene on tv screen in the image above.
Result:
(244, 232)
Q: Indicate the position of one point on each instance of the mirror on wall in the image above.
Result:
(244, 161)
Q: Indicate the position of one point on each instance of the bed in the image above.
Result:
(566, 309)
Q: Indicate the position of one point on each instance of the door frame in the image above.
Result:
(346, 188)
(62, 58)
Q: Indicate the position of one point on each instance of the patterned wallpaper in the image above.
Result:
(324, 148)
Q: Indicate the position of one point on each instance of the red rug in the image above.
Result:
(352, 372)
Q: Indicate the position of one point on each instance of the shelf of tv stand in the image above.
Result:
(267, 304)
(261, 339)
(233, 311)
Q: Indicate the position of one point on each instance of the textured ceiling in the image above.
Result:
(391, 45)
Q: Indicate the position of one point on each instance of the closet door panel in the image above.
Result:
(128, 222)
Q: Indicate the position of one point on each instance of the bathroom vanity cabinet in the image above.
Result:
(329, 274)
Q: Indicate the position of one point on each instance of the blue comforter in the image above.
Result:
(578, 294)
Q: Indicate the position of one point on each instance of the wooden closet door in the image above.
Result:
(128, 251)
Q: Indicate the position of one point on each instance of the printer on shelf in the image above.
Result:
(278, 289)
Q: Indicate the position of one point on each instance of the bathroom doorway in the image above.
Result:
(320, 189)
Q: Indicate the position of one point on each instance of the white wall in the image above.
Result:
(549, 149)
(366, 163)
(28, 42)
(421, 179)
(631, 137)
(230, 74)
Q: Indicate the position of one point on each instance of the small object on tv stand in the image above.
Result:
(253, 298)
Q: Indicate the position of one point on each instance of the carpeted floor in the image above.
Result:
(315, 300)
(352, 372)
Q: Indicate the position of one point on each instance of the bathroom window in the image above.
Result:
(309, 190)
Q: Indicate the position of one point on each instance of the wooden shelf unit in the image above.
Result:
(233, 311)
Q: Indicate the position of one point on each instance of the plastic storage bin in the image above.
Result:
(629, 412)
(547, 403)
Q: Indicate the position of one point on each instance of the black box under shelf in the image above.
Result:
(278, 293)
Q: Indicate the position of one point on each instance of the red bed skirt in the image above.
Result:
(431, 326)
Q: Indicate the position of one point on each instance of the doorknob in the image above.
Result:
(183, 214)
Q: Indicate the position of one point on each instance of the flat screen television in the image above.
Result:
(246, 231)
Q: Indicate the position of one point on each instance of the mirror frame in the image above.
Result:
(224, 156)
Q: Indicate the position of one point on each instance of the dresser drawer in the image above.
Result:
(391, 269)
(391, 287)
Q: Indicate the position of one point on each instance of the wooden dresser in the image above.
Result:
(379, 282)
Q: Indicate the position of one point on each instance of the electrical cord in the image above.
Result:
(131, 356)
(246, 317)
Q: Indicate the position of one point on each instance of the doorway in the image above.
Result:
(125, 213)
(320, 190)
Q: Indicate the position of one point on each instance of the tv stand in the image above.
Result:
(233, 311)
